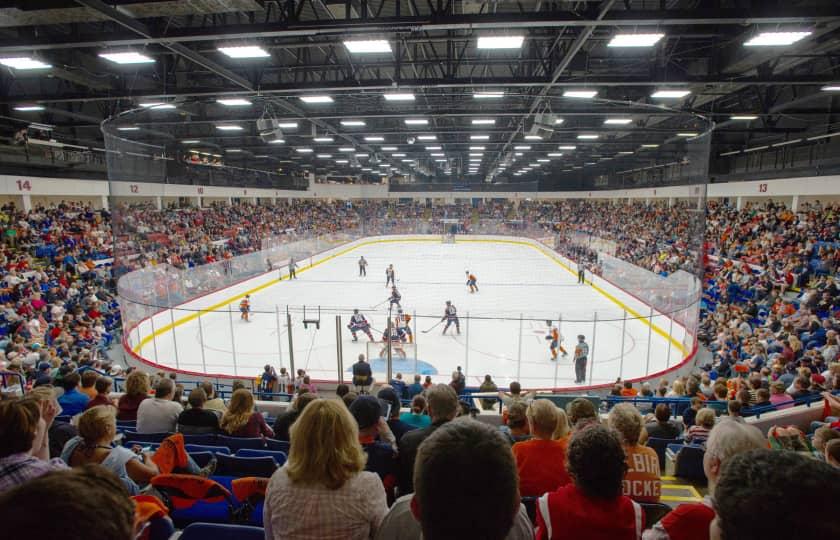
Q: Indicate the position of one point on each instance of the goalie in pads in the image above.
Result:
(358, 322)
(396, 339)
(401, 321)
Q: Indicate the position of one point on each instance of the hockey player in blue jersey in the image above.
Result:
(395, 297)
(396, 343)
(450, 315)
(358, 322)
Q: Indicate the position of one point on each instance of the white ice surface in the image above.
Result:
(515, 279)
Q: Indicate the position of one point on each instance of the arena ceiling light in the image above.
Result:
(277, 141)
(437, 154)
(776, 39)
(476, 154)
(635, 40)
(483, 121)
(687, 134)
(24, 63)
(626, 153)
(587, 137)
(323, 156)
(245, 51)
(416, 121)
(651, 146)
(479, 137)
(477, 148)
(558, 121)
(233, 151)
(566, 147)
(233, 102)
(342, 161)
(433, 148)
(368, 46)
(127, 57)
(374, 138)
(555, 154)
(427, 137)
(303, 150)
(519, 154)
(744, 117)
(389, 148)
(400, 96)
(229, 127)
(128, 128)
(522, 147)
(316, 100)
(617, 121)
(441, 160)
(581, 94)
(543, 160)
(831, 88)
(361, 155)
(29, 108)
(532, 138)
(398, 155)
(407, 160)
(353, 123)
(500, 42)
(346, 149)
(190, 141)
(488, 95)
(670, 94)
(288, 125)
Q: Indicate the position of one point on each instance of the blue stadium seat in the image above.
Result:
(689, 463)
(201, 458)
(654, 512)
(205, 439)
(217, 531)
(659, 446)
(245, 466)
(278, 446)
(237, 443)
(145, 437)
(207, 448)
(278, 457)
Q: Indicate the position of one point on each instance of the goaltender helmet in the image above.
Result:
(355, 311)
(448, 302)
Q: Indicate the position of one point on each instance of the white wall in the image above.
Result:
(787, 189)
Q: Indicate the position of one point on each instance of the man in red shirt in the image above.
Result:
(691, 521)
(541, 461)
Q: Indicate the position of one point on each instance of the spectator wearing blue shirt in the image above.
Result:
(397, 426)
(72, 401)
(399, 386)
(415, 388)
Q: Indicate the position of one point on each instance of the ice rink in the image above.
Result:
(503, 326)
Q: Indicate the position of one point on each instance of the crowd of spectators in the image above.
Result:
(769, 318)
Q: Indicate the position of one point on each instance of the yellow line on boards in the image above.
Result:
(539, 248)
(674, 498)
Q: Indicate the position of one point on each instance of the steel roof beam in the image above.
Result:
(429, 23)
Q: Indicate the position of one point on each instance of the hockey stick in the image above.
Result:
(380, 303)
(432, 328)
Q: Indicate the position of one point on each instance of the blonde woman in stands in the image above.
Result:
(241, 420)
(563, 430)
(541, 460)
(341, 499)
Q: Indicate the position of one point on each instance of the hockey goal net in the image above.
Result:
(449, 227)
(377, 351)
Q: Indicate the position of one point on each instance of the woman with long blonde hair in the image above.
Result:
(241, 420)
(325, 475)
